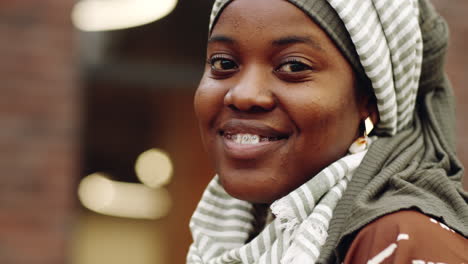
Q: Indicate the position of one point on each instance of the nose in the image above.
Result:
(251, 93)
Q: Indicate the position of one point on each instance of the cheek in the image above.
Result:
(208, 105)
(198, 103)
(325, 120)
(208, 101)
(202, 106)
(318, 126)
(314, 112)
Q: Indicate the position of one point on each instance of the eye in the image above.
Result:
(222, 64)
(293, 66)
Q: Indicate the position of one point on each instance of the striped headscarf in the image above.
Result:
(388, 40)
(382, 41)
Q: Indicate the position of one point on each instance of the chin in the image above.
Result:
(251, 188)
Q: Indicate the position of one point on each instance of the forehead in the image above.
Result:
(265, 17)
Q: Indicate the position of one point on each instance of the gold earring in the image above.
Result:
(368, 126)
(362, 143)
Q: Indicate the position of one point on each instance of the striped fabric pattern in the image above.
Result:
(388, 40)
(217, 8)
(222, 225)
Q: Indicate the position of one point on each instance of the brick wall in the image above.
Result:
(38, 130)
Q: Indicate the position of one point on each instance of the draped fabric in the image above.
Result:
(388, 41)
(401, 46)
(417, 169)
(222, 225)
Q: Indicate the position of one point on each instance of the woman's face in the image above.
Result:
(277, 101)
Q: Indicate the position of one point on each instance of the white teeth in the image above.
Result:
(254, 139)
(246, 138)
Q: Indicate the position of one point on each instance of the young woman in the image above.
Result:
(290, 91)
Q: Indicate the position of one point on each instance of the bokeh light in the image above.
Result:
(96, 191)
(122, 199)
(100, 15)
(154, 168)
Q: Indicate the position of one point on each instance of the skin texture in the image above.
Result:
(273, 72)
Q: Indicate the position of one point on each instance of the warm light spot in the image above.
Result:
(369, 125)
(96, 191)
(154, 168)
(135, 200)
(102, 15)
(122, 199)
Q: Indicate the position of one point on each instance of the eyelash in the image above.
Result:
(218, 67)
(292, 61)
(221, 70)
(213, 59)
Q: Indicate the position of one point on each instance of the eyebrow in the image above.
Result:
(284, 41)
(297, 39)
(221, 39)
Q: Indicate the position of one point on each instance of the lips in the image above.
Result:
(250, 139)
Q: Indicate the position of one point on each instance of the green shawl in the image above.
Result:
(417, 168)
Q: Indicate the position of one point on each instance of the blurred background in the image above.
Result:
(100, 155)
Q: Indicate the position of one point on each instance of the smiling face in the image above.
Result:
(277, 102)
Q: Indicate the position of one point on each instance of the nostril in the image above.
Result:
(233, 108)
(253, 109)
(257, 109)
